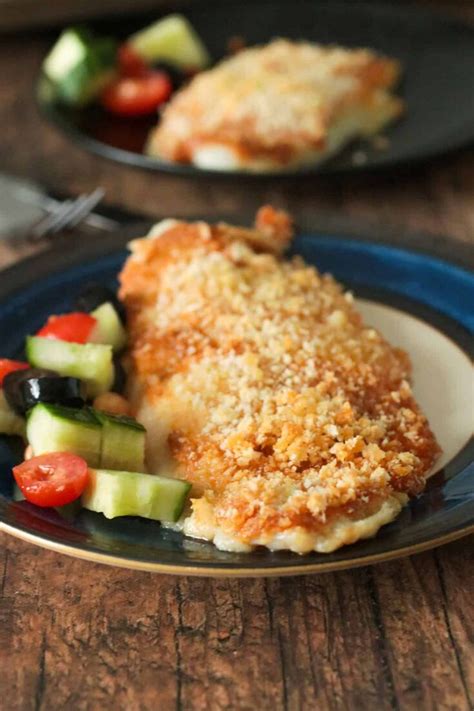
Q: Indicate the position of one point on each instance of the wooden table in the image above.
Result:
(78, 636)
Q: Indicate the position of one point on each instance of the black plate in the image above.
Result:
(437, 55)
(438, 294)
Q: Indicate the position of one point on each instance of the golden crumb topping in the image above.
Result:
(283, 408)
(280, 101)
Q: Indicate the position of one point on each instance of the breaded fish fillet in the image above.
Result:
(278, 106)
(260, 384)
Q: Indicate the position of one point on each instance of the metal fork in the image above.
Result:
(66, 214)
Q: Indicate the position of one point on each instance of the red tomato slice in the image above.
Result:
(130, 62)
(137, 96)
(9, 366)
(53, 479)
(75, 327)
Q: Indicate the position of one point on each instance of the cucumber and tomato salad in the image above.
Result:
(71, 359)
(102, 439)
(81, 346)
(89, 362)
(80, 453)
(110, 449)
(101, 326)
(131, 79)
(59, 478)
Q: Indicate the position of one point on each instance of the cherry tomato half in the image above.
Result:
(137, 96)
(9, 366)
(53, 479)
(130, 62)
(75, 327)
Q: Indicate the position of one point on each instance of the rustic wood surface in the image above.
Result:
(79, 636)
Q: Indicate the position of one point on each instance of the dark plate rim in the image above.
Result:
(229, 570)
(52, 112)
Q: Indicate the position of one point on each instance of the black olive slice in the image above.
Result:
(43, 386)
(12, 381)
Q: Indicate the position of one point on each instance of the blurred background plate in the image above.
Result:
(437, 55)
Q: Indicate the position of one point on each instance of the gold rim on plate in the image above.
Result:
(209, 571)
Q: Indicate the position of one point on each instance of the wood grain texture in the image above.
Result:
(83, 637)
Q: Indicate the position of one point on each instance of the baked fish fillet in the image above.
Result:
(260, 384)
(278, 106)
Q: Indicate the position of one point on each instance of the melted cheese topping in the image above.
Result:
(280, 105)
(260, 384)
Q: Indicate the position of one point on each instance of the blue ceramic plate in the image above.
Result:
(420, 302)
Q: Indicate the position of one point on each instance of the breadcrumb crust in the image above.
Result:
(258, 380)
(280, 105)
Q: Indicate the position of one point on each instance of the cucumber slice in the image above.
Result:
(132, 494)
(123, 442)
(171, 40)
(10, 422)
(53, 428)
(80, 65)
(69, 51)
(89, 362)
(109, 329)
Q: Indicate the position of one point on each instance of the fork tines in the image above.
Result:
(67, 214)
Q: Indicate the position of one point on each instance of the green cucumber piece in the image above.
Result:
(115, 493)
(109, 329)
(90, 362)
(69, 51)
(123, 442)
(80, 65)
(10, 422)
(54, 428)
(171, 40)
